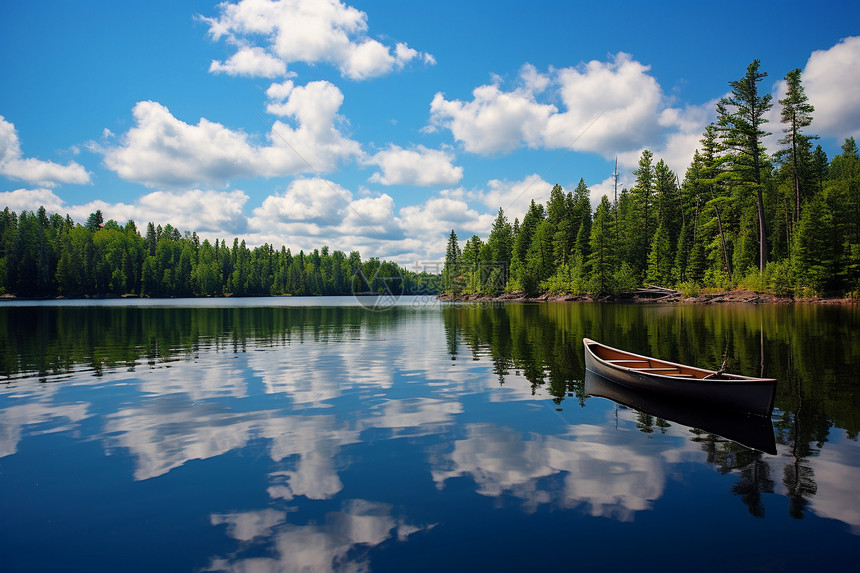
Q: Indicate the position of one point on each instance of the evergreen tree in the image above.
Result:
(95, 221)
(601, 262)
(643, 194)
(740, 118)
(660, 259)
(500, 245)
(522, 243)
(582, 215)
(796, 114)
(451, 271)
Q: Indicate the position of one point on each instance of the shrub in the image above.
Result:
(718, 279)
(752, 280)
(779, 278)
(626, 278)
(688, 289)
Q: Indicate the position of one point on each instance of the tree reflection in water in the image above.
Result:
(806, 348)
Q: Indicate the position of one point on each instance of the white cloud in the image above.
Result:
(832, 82)
(163, 151)
(417, 166)
(279, 92)
(515, 196)
(310, 213)
(609, 108)
(306, 200)
(494, 121)
(430, 223)
(311, 31)
(47, 173)
(368, 213)
(209, 213)
(313, 212)
(685, 128)
(250, 61)
(31, 199)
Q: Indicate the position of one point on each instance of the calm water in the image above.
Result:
(263, 435)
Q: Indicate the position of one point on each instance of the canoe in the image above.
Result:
(754, 432)
(707, 387)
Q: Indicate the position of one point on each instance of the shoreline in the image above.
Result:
(739, 296)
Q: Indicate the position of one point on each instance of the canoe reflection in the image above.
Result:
(754, 432)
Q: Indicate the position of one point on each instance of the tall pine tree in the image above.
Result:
(740, 118)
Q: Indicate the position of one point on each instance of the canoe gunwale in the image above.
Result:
(725, 377)
(731, 391)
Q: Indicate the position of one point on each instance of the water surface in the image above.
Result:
(319, 435)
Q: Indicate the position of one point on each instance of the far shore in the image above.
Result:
(734, 296)
(739, 296)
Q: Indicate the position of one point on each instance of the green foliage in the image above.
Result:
(779, 278)
(626, 278)
(48, 257)
(451, 273)
(717, 279)
(660, 259)
(688, 289)
(602, 258)
(740, 118)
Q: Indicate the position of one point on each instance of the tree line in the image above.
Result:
(787, 223)
(45, 256)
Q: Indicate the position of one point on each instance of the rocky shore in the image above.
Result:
(735, 296)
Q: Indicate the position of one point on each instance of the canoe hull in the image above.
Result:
(738, 394)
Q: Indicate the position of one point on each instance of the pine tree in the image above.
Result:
(643, 193)
(797, 114)
(451, 271)
(601, 261)
(740, 118)
(500, 244)
(660, 259)
(95, 221)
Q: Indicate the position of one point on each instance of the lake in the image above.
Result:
(317, 434)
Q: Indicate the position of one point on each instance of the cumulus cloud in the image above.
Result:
(163, 151)
(250, 61)
(14, 165)
(609, 108)
(494, 121)
(310, 213)
(430, 222)
(515, 196)
(307, 201)
(609, 105)
(31, 199)
(215, 213)
(830, 80)
(416, 166)
(310, 31)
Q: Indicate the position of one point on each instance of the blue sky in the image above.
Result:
(380, 125)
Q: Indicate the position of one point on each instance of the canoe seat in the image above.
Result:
(626, 361)
(657, 369)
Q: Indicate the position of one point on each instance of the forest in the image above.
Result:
(786, 224)
(45, 256)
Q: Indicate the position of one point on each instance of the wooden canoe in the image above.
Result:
(754, 432)
(707, 387)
